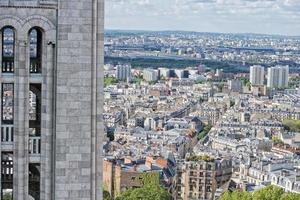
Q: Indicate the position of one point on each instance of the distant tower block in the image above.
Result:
(51, 58)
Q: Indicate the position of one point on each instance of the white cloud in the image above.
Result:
(156, 13)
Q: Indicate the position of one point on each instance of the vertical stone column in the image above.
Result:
(99, 97)
(77, 171)
(48, 60)
(21, 123)
(1, 114)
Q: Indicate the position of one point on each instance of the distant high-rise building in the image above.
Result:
(179, 73)
(150, 75)
(123, 72)
(278, 77)
(164, 72)
(235, 85)
(201, 69)
(257, 75)
(219, 73)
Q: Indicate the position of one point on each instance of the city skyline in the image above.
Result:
(274, 17)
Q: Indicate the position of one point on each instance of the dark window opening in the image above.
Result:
(8, 49)
(35, 110)
(35, 37)
(7, 103)
(34, 180)
(6, 175)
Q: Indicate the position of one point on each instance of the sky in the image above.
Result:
(222, 16)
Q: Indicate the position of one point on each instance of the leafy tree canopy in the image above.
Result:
(267, 193)
(148, 192)
(151, 190)
(292, 125)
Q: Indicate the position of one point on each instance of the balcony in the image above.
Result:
(8, 65)
(7, 137)
(6, 174)
(35, 66)
(7, 133)
(34, 145)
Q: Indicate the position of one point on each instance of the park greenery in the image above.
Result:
(138, 79)
(292, 125)
(294, 82)
(110, 81)
(204, 132)
(7, 196)
(206, 158)
(277, 140)
(233, 67)
(147, 192)
(267, 193)
(150, 190)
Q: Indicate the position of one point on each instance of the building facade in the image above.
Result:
(123, 174)
(278, 77)
(150, 75)
(123, 72)
(50, 57)
(257, 75)
(235, 85)
(199, 177)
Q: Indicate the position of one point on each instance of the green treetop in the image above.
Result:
(268, 193)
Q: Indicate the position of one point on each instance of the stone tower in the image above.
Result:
(51, 56)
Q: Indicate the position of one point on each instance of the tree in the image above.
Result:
(276, 140)
(245, 81)
(268, 193)
(292, 125)
(148, 192)
(237, 195)
(7, 196)
(204, 132)
(151, 190)
(290, 196)
(110, 81)
(226, 196)
(106, 195)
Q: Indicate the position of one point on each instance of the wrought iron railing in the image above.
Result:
(35, 66)
(7, 65)
(34, 145)
(7, 133)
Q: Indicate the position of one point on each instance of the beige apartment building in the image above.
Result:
(198, 177)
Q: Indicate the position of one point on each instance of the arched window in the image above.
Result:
(8, 49)
(35, 37)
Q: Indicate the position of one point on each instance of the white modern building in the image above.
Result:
(150, 75)
(179, 73)
(278, 77)
(123, 72)
(165, 72)
(257, 75)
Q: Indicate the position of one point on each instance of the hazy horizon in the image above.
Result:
(232, 33)
(272, 17)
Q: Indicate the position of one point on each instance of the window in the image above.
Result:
(8, 49)
(35, 37)
(7, 103)
(35, 109)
